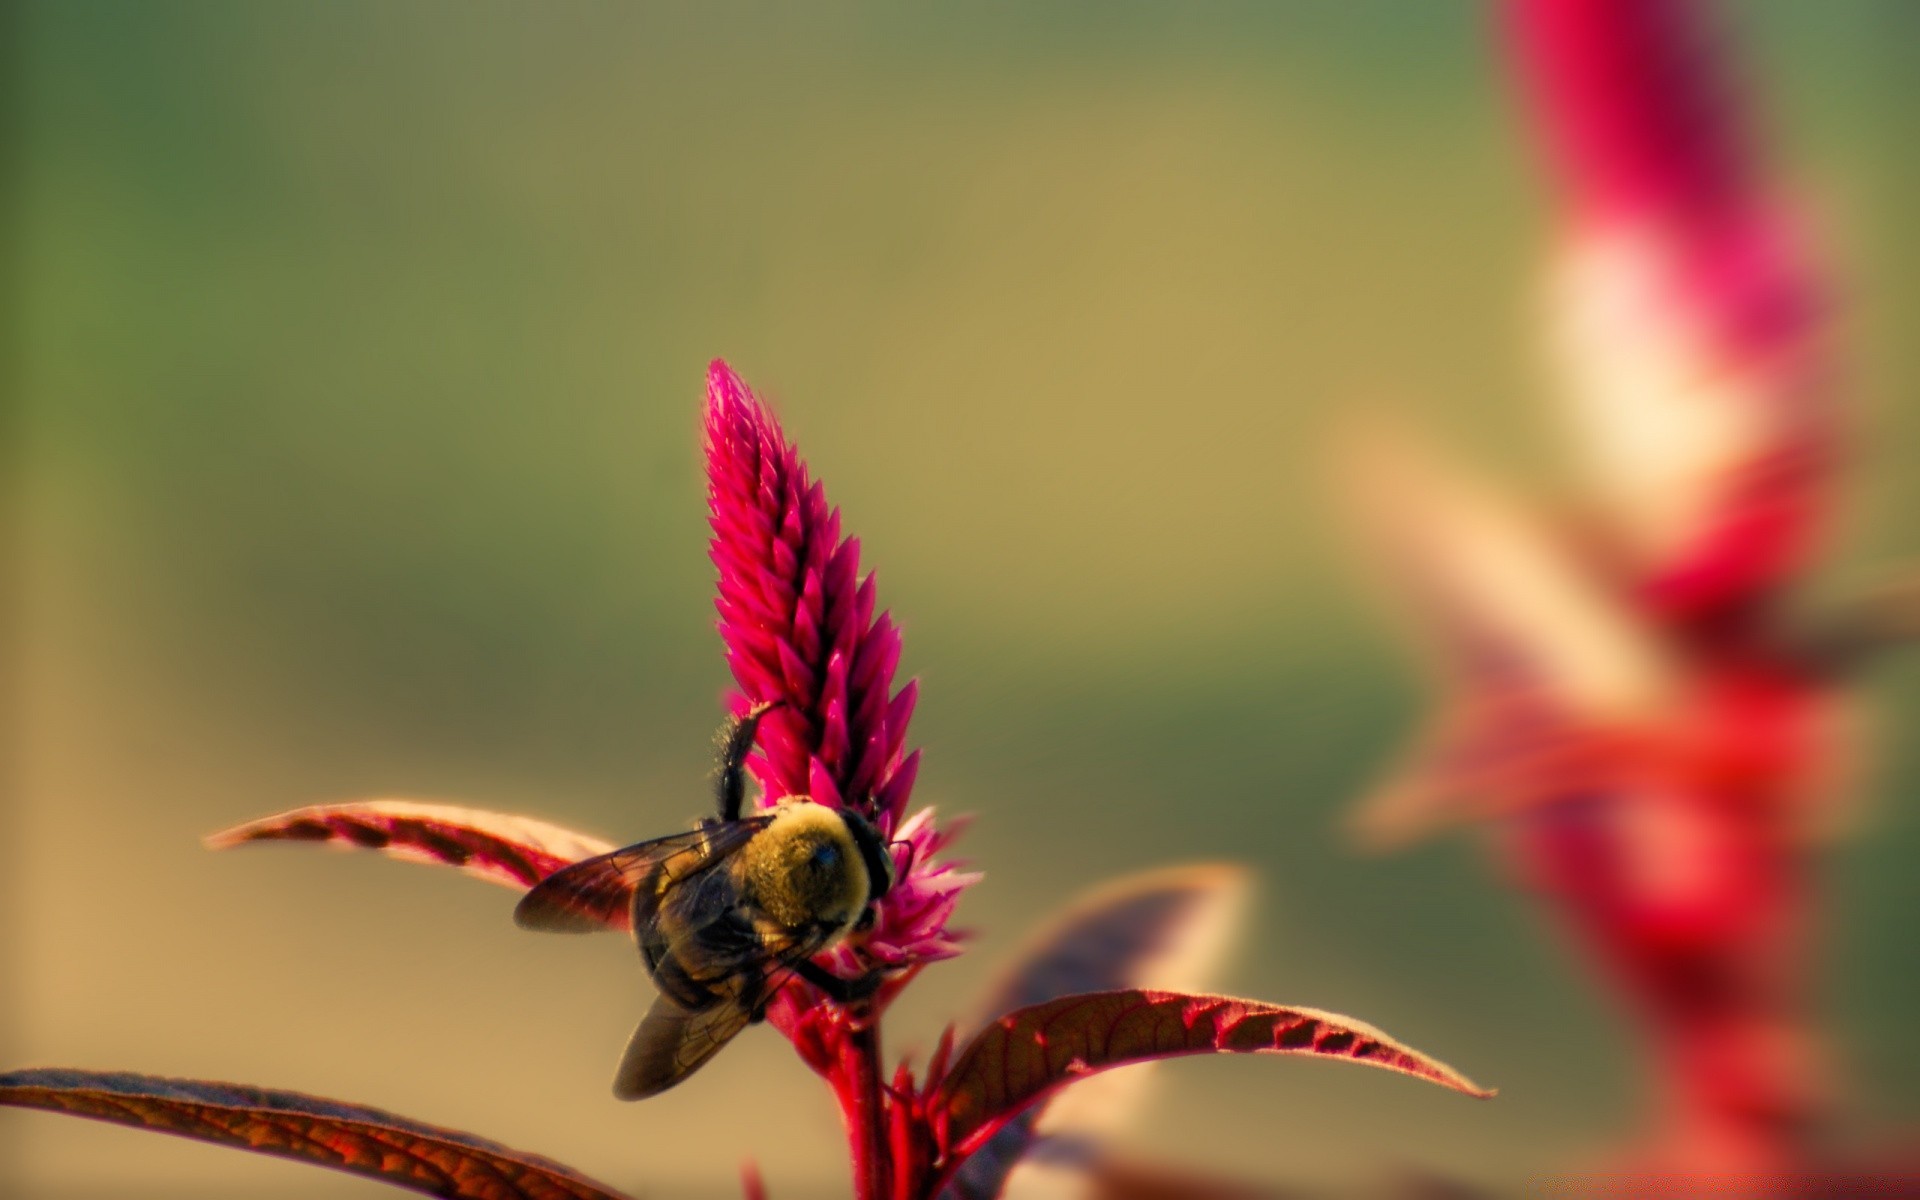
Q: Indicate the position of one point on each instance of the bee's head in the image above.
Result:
(873, 852)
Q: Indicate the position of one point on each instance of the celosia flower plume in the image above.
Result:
(1691, 324)
(1711, 442)
(800, 628)
(798, 620)
(1625, 695)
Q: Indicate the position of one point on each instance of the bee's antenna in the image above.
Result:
(736, 739)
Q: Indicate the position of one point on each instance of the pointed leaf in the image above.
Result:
(512, 851)
(344, 1137)
(1031, 1051)
(1162, 929)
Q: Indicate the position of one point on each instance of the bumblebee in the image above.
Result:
(724, 914)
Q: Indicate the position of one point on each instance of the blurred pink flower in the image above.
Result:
(1690, 319)
(1626, 692)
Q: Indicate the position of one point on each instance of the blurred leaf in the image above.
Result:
(752, 1186)
(1497, 592)
(515, 852)
(1544, 668)
(1070, 1166)
(345, 1137)
(1161, 929)
(1153, 929)
(1027, 1053)
(1124, 1179)
(1860, 629)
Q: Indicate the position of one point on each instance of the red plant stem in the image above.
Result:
(861, 1103)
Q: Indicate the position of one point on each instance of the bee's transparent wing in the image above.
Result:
(672, 1043)
(675, 1039)
(597, 893)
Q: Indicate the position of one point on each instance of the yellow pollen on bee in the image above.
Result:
(792, 876)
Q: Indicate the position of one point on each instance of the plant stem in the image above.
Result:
(862, 1104)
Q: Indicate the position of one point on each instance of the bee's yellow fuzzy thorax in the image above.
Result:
(805, 867)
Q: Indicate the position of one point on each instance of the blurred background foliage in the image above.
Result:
(353, 451)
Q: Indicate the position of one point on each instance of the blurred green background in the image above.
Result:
(359, 355)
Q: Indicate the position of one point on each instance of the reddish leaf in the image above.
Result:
(1155, 929)
(1030, 1052)
(515, 852)
(345, 1137)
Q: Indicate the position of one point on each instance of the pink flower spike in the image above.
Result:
(800, 626)
(1635, 112)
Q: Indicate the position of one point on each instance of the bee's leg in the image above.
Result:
(755, 999)
(840, 991)
(736, 738)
